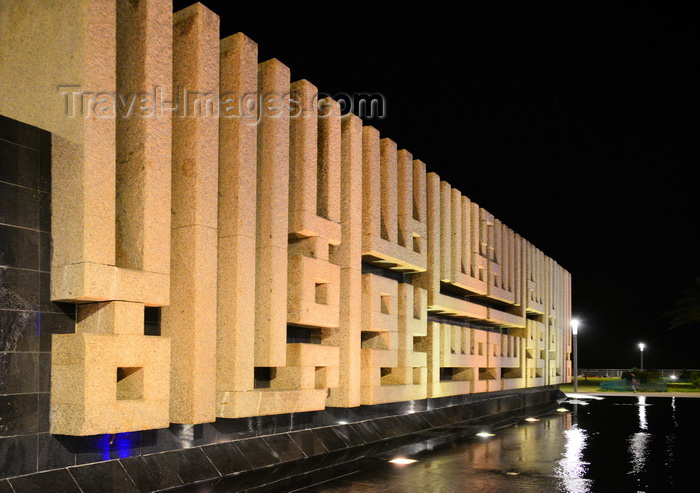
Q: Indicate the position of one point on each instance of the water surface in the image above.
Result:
(617, 445)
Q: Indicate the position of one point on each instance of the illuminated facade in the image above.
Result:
(301, 261)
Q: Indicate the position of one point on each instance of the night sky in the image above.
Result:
(574, 123)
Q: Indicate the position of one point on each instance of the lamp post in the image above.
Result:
(574, 331)
(641, 355)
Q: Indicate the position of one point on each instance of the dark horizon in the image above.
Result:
(575, 125)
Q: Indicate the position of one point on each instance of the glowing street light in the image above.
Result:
(641, 355)
(574, 330)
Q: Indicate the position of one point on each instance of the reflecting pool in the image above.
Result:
(619, 444)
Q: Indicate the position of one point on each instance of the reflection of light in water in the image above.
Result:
(571, 468)
(642, 403)
(639, 443)
(671, 438)
(673, 412)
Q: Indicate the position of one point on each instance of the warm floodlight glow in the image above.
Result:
(512, 473)
(562, 410)
(531, 420)
(642, 346)
(574, 325)
(402, 461)
(485, 434)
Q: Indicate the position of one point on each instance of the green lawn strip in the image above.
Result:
(593, 385)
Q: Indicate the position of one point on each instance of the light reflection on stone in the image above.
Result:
(571, 468)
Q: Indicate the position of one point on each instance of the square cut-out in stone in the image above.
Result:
(129, 383)
(322, 293)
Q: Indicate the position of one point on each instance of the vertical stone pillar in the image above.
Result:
(272, 211)
(111, 226)
(190, 320)
(144, 43)
(388, 190)
(349, 256)
(237, 215)
(430, 279)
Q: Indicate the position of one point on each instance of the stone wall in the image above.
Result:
(300, 260)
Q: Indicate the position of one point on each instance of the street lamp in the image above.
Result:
(641, 355)
(574, 331)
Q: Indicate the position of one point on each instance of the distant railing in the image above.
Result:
(617, 372)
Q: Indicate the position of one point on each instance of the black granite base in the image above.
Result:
(271, 453)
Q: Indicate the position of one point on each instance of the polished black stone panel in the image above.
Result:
(43, 413)
(45, 161)
(452, 413)
(20, 133)
(366, 431)
(191, 465)
(106, 477)
(98, 448)
(44, 372)
(55, 323)
(274, 458)
(19, 165)
(402, 425)
(19, 206)
(45, 303)
(44, 251)
(407, 423)
(382, 431)
(18, 373)
(286, 469)
(5, 486)
(308, 442)
(201, 487)
(19, 247)
(58, 481)
(285, 448)
(258, 452)
(52, 453)
(19, 414)
(436, 418)
(18, 331)
(177, 437)
(154, 441)
(242, 482)
(234, 429)
(329, 438)
(348, 435)
(419, 421)
(151, 472)
(19, 289)
(17, 455)
(227, 458)
(207, 435)
(385, 427)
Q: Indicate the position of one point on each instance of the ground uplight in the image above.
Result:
(402, 461)
(485, 434)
